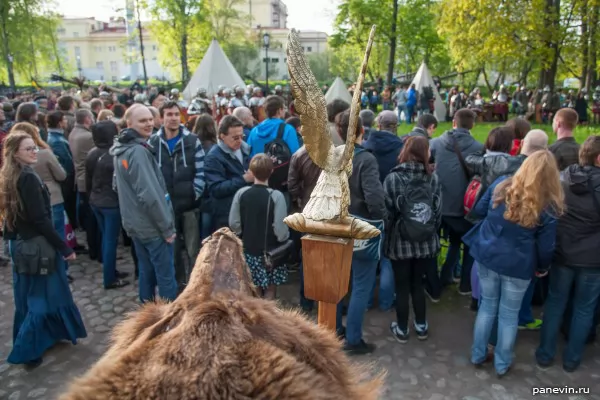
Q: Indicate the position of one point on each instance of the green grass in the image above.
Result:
(480, 131)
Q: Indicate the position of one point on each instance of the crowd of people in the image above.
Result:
(512, 210)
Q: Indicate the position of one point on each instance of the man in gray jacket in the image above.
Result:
(145, 205)
(450, 151)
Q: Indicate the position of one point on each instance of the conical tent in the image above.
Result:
(338, 90)
(215, 69)
(423, 79)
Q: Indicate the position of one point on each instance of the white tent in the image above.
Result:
(423, 79)
(338, 90)
(215, 69)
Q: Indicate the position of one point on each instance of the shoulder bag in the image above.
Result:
(35, 256)
(280, 254)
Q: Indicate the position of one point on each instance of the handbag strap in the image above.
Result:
(461, 159)
(593, 192)
(270, 191)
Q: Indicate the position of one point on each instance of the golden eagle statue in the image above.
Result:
(326, 213)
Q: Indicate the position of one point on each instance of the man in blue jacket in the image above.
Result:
(266, 131)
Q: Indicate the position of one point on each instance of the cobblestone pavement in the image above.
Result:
(437, 369)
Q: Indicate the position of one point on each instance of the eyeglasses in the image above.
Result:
(32, 149)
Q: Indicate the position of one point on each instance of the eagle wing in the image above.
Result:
(310, 104)
(355, 107)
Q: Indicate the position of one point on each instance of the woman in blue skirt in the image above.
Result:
(44, 309)
(256, 215)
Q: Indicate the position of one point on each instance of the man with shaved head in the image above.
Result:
(245, 115)
(535, 140)
(145, 205)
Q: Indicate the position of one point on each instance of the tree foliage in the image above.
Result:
(185, 28)
(417, 39)
(28, 40)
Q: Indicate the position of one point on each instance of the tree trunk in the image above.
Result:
(137, 8)
(391, 62)
(552, 24)
(585, 41)
(6, 47)
(487, 82)
(592, 60)
(184, 59)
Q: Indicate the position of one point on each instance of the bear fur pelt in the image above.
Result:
(218, 340)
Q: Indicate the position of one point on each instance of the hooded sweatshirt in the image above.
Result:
(449, 170)
(266, 132)
(578, 233)
(141, 189)
(182, 167)
(386, 147)
(99, 167)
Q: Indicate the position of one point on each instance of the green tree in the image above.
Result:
(319, 65)
(414, 40)
(174, 22)
(27, 31)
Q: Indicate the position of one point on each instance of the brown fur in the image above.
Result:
(219, 341)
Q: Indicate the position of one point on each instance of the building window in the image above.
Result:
(77, 51)
(99, 65)
(75, 34)
(61, 31)
(112, 49)
(113, 66)
(154, 47)
(308, 49)
(101, 77)
(153, 58)
(114, 78)
(274, 60)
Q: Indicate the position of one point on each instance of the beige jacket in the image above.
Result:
(80, 142)
(51, 173)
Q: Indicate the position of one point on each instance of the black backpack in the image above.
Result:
(280, 153)
(416, 215)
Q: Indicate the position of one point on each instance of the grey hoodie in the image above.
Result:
(145, 205)
(448, 168)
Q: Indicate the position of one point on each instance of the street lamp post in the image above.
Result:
(266, 44)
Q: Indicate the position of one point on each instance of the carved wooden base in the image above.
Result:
(345, 228)
(326, 262)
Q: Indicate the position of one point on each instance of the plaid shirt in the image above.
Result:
(396, 247)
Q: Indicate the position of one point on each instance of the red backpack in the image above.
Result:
(474, 188)
(472, 194)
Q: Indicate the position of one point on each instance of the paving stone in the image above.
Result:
(36, 393)
(437, 369)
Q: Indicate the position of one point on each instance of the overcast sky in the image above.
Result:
(303, 14)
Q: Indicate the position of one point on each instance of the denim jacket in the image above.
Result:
(60, 146)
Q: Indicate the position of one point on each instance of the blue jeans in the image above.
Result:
(401, 107)
(155, 258)
(587, 291)
(525, 314)
(363, 277)
(58, 220)
(109, 221)
(457, 227)
(206, 226)
(501, 298)
(409, 113)
(306, 304)
(386, 285)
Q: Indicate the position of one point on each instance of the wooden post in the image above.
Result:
(326, 262)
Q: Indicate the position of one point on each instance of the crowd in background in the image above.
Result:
(512, 211)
